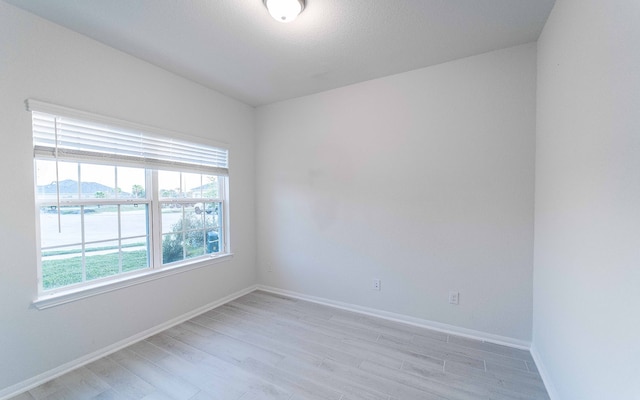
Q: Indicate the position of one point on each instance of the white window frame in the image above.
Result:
(156, 270)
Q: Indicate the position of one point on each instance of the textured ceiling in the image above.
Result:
(235, 47)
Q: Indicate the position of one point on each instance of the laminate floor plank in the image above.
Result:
(304, 307)
(222, 346)
(299, 385)
(264, 346)
(491, 347)
(296, 328)
(531, 366)
(438, 383)
(125, 383)
(510, 381)
(498, 359)
(390, 329)
(108, 395)
(306, 321)
(381, 384)
(391, 357)
(442, 352)
(47, 389)
(474, 384)
(172, 386)
(330, 346)
(348, 388)
(23, 396)
(246, 333)
(210, 383)
(230, 375)
(519, 374)
(342, 329)
(312, 342)
(279, 312)
(83, 384)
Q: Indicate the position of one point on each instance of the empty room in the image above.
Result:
(320, 199)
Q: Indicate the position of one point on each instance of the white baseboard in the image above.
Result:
(422, 323)
(30, 383)
(544, 374)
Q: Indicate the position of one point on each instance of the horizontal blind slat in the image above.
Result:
(86, 140)
(45, 152)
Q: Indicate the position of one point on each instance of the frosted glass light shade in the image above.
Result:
(284, 10)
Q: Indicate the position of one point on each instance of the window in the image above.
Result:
(117, 201)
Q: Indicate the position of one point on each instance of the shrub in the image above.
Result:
(174, 244)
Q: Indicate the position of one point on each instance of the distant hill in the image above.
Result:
(69, 186)
(206, 186)
(209, 189)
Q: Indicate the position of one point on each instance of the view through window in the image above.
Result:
(106, 224)
(110, 219)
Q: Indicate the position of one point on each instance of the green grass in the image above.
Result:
(57, 273)
(90, 249)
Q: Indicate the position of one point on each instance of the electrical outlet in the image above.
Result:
(376, 284)
(454, 298)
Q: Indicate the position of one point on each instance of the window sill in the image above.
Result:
(45, 301)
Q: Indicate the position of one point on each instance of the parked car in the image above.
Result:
(209, 208)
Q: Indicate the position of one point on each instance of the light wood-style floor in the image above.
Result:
(266, 346)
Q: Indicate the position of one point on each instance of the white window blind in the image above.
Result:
(67, 134)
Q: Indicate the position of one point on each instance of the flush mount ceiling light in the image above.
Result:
(284, 10)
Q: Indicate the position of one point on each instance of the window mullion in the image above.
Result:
(119, 236)
(155, 234)
(184, 229)
(83, 253)
(223, 231)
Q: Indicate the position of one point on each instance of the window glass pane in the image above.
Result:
(210, 187)
(134, 254)
(132, 182)
(181, 218)
(134, 220)
(98, 181)
(100, 222)
(193, 217)
(102, 259)
(69, 222)
(171, 217)
(61, 267)
(192, 185)
(46, 180)
(212, 215)
(172, 248)
(169, 184)
(213, 240)
(194, 243)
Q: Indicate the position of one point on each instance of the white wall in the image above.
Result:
(586, 326)
(423, 179)
(44, 61)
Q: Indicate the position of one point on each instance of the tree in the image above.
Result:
(100, 194)
(211, 188)
(138, 191)
(168, 193)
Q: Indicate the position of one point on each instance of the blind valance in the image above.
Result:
(66, 134)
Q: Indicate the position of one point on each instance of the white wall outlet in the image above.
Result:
(375, 284)
(454, 298)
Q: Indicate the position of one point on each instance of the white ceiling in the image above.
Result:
(235, 47)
